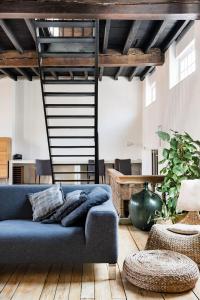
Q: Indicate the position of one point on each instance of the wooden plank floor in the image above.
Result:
(90, 281)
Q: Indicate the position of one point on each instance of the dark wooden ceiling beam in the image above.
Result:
(35, 71)
(54, 75)
(133, 73)
(9, 74)
(105, 44)
(174, 34)
(106, 36)
(118, 73)
(131, 36)
(10, 34)
(185, 30)
(135, 58)
(12, 59)
(101, 9)
(24, 73)
(29, 24)
(147, 70)
(154, 36)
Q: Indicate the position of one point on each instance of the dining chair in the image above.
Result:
(125, 166)
(116, 164)
(42, 168)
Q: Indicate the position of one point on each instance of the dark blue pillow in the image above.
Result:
(96, 197)
(72, 201)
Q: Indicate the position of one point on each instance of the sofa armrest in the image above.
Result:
(101, 231)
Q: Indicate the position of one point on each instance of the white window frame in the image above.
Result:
(187, 62)
(55, 31)
(177, 71)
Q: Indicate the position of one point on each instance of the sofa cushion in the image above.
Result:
(24, 241)
(96, 197)
(46, 202)
(71, 202)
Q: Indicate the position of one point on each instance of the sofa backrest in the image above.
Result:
(14, 203)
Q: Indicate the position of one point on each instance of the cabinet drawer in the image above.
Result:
(3, 171)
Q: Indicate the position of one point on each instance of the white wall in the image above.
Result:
(120, 122)
(120, 118)
(177, 108)
(30, 136)
(7, 88)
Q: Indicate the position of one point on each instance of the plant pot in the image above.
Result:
(142, 208)
(164, 222)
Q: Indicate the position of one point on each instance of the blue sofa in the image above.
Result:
(24, 241)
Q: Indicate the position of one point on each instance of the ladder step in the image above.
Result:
(68, 54)
(67, 69)
(70, 164)
(62, 81)
(65, 155)
(71, 94)
(72, 147)
(70, 127)
(74, 180)
(72, 137)
(56, 23)
(70, 117)
(68, 105)
(82, 172)
(49, 40)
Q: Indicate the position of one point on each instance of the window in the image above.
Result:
(54, 31)
(183, 64)
(187, 64)
(150, 92)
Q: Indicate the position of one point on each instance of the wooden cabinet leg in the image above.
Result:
(112, 271)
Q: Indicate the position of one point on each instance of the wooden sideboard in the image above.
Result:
(124, 186)
(5, 156)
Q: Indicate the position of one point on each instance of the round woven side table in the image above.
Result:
(161, 271)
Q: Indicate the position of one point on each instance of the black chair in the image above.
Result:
(42, 168)
(91, 169)
(125, 166)
(116, 164)
(102, 171)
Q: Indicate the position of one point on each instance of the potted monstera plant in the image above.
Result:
(181, 160)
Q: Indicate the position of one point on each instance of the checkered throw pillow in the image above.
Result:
(46, 202)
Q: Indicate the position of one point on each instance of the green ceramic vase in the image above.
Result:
(142, 208)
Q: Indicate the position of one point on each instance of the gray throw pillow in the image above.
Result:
(96, 197)
(46, 202)
(72, 201)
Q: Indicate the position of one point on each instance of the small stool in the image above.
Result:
(161, 271)
(181, 238)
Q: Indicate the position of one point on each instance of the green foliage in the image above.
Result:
(181, 161)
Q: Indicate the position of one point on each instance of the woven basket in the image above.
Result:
(161, 238)
(161, 271)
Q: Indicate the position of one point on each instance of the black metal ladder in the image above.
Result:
(70, 99)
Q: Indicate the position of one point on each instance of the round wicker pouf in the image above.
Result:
(160, 237)
(161, 271)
